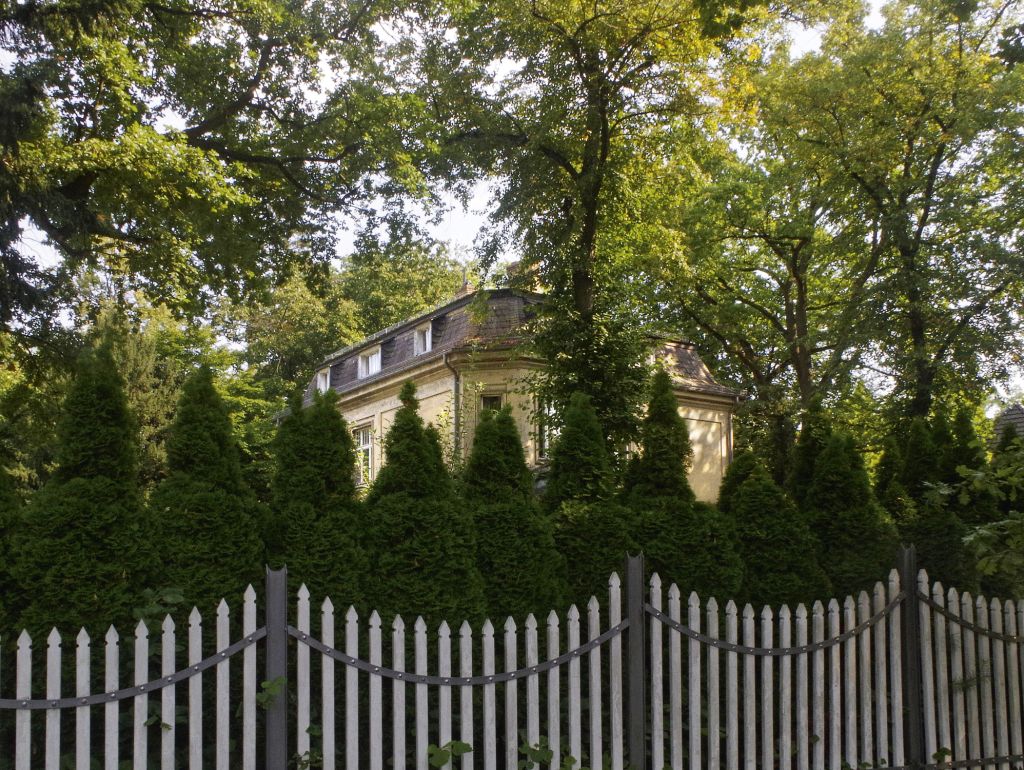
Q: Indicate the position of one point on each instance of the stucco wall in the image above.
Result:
(377, 409)
(711, 437)
(709, 422)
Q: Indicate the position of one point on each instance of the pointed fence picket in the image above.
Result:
(794, 687)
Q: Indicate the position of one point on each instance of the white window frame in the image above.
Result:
(369, 363)
(363, 440)
(423, 339)
(323, 380)
(547, 432)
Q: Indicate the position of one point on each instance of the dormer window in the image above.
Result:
(423, 339)
(323, 380)
(369, 362)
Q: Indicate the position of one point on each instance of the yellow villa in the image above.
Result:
(465, 356)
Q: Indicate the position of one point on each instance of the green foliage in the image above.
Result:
(201, 442)
(1007, 438)
(685, 542)
(921, 459)
(192, 150)
(522, 571)
(580, 469)
(420, 541)
(204, 517)
(294, 327)
(314, 502)
(393, 281)
(659, 471)
(999, 552)
(813, 436)
(998, 545)
(963, 458)
(154, 351)
(693, 545)
(743, 464)
(10, 519)
(441, 756)
(601, 356)
(97, 434)
(565, 134)
(594, 539)
(80, 552)
(938, 534)
(856, 541)
(776, 545)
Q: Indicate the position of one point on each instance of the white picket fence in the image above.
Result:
(722, 688)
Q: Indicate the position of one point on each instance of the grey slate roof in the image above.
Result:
(1013, 415)
(455, 325)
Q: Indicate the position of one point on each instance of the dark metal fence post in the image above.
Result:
(277, 669)
(636, 668)
(910, 621)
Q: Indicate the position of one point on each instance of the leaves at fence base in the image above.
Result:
(439, 756)
(270, 689)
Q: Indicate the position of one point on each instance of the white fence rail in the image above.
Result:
(892, 677)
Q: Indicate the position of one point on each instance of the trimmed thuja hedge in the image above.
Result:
(686, 542)
(522, 570)
(81, 556)
(205, 519)
(420, 539)
(314, 502)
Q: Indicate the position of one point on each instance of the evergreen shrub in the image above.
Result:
(81, 552)
(776, 545)
(314, 502)
(420, 541)
(521, 568)
(204, 517)
(857, 542)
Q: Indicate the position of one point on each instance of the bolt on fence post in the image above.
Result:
(636, 706)
(911, 623)
(277, 669)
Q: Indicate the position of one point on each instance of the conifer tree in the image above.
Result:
(205, 519)
(975, 506)
(921, 459)
(1007, 438)
(80, 553)
(10, 517)
(813, 435)
(580, 466)
(592, 531)
(594, 539)
(938, 535)
(685, 543)
(421, 543)
(856, 541)
(776, 545)
(742, 465)
(521, 568)
(314, 501)
(665, 452)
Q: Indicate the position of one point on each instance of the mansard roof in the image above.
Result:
(491, 319)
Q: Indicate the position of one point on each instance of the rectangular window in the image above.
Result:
(363, 439)
(547, 429)
(423, 339)
(490, 402)
(369, 362)
(323, 380)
